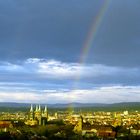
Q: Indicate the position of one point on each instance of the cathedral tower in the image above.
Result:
(38, 114)
(31, 117)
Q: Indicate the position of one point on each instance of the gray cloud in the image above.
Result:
(61, 73)
(54, 32)
(111, 94)
(58, 30)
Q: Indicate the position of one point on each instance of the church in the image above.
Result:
(37, 116)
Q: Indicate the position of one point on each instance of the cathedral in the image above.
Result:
(37, 116)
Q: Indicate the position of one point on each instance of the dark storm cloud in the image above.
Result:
(45, 28)
(58, 29)
(41, 43)
(56, 74)
(117, 41)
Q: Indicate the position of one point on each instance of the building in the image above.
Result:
(5, 126)
(37, 116)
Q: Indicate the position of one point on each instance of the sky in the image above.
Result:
(62, 51)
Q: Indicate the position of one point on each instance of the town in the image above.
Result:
(39, 122)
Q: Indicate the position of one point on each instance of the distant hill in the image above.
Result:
(11, 104)
(131, 106)
(94, 106)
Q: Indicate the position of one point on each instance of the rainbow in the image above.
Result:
(88, 43)
(90, 40)
(93, 31)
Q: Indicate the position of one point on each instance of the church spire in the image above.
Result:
(36, 108)
(39, 108)
(31, 112)
(45, 110)
(31, 109)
